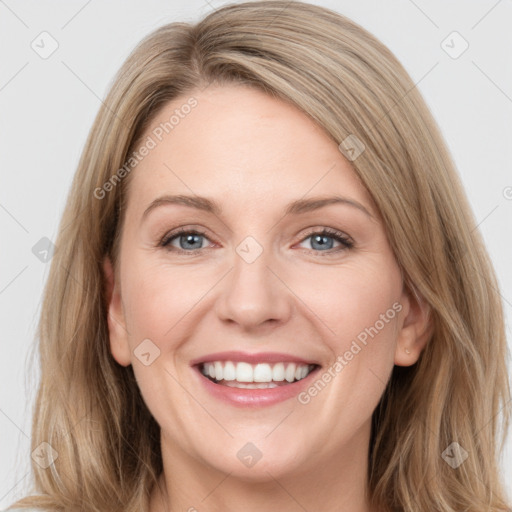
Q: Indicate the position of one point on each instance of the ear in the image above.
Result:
(118, 334)
(416, 329)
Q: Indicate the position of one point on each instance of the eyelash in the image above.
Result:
(346, 242)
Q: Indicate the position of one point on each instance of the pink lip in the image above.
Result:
(254, 358)
(253, 397)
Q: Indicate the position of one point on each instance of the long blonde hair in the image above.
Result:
(89, 409)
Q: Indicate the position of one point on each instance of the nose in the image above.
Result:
(253, 294)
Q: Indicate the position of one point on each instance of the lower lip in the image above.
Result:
(255, 397)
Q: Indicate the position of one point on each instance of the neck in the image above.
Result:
(333, 485)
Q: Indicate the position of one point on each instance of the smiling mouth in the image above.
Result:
(244, 375)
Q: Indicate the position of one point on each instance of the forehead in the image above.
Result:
(240, 145)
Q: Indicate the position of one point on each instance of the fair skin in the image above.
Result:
(253, 155)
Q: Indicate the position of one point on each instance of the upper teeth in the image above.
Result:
(261, 372)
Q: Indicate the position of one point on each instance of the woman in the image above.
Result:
(252, 372)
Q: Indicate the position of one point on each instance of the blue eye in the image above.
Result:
(186, 239)
(321, 240)
(190, 241)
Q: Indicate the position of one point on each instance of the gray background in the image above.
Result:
(48, 105)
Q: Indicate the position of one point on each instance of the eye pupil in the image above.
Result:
(321, 240)
(190, 239)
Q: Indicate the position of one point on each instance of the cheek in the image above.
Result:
(154, 304)
(361, 307)
(351, 299)
(359, 303)
(157, 296)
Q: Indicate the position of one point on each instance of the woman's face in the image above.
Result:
(260, 294)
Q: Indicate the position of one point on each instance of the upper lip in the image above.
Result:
(252, 358)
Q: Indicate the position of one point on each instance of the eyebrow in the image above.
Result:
(294, 208)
